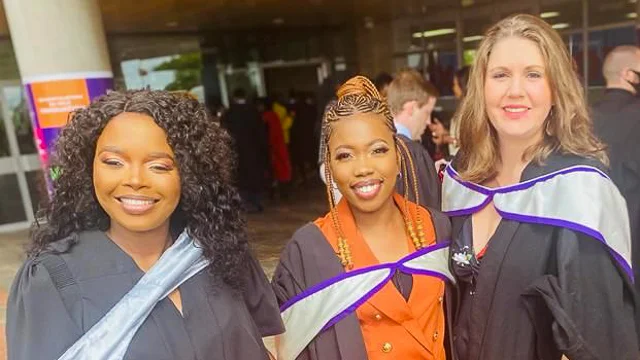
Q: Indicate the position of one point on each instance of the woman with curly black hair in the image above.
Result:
(141, 252)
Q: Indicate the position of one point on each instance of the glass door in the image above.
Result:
(250, 79)
(21, 182)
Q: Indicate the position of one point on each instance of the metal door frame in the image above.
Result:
(255, 71)
(16, 163)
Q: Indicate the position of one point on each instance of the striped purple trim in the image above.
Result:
(358, 303)
(470, 210)
(479, 188)
(436, 274)
(325, 284)
(626, 267)
(523, 185)
(424, 251)
(392, 267)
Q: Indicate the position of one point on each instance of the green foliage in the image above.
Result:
(185, 80)
(187, 68)
(55, 173)
(190, 61)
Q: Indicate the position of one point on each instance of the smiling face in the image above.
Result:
(518, 96)
(135, 175)
(364, 161)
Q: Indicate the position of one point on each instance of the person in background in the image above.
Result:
(352, 268)
(429, 138)
(617, 123)
(286, 120)
(460, 81)
(382, 82)
(541, 245)
(245, 125)
(303, 142)
(442, 136)
(411, 101)
(142, 252)
(278, 153)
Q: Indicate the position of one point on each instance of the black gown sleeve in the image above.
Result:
(39, 325)
(288, 282)
(590, 301)
(261, 301)
(308, 259)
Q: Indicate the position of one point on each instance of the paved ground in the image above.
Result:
(268, 232)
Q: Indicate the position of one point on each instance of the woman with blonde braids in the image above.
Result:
(367, 280)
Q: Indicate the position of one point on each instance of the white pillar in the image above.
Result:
(61, 50)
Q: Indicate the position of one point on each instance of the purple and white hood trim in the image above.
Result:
(580, 198)
(324, 304)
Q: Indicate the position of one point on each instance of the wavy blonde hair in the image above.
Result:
(568, 128)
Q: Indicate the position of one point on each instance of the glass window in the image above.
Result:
(11, 207)
(611, 12)
(439, 60)
(17, 107)
(563, 16)
(474, 29)
(174, 73)
(37, 188)
(4, 141)
(601, 42)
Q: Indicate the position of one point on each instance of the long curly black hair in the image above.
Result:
(209, 205)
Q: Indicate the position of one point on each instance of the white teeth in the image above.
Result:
(515, 110)
(368, 188)
(136, 202)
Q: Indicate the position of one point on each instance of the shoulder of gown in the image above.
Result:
(306, 260)
(589, 298)
(43, 309)
(261, 301)
(428, 181)
(289, 277)
(442, 225)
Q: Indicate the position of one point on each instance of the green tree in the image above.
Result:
(187, 68)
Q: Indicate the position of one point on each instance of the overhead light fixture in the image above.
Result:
(172, 24)
(632, 15)
(633, 1)
(472, 38)
(549, 14)
(438, 32)
(278, 21)
(559, 26)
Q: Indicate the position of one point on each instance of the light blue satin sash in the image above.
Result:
(110, 337)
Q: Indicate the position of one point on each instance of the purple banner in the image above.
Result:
(50, 103)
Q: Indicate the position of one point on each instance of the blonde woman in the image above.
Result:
(541, 246)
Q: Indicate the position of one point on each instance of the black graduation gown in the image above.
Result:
(303, 139)
(52, 305)
(541, 291)
(617, 123)
(249, 133)
(309, 259)
(428, 182)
